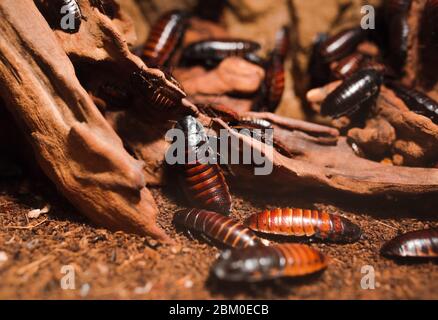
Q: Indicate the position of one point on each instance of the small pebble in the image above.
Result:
(3, 257)
(85, 289)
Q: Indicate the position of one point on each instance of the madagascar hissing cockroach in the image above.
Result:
(218, 227)
(416, 101)
(156, 90)
(341, 44)
(356, 92)
(420, 243)
(304, 223)
(345, 67)
(261, 263)
(73, 10)
(202, 182)
(211, 52)
(398, 41)
(164, 37)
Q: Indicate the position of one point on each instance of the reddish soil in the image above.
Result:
(122, 266)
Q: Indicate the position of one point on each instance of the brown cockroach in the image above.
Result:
(341, 44)
(218, 227)
(212, 52)
(416, 101)
(203, 183)
(355, 93)
(261, 263)
(304, 223)
(156, 91)
(165, 36)
(420, 243)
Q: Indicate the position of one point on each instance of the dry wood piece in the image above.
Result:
(73, 143)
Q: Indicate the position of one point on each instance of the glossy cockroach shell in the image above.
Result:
(304, 223)
(203, 183)
(341, 44)
(156, 91)
(164, 38)
(347, 66)
(74, 10)
(218, 227)
(268, 262)
(212, 52)
(416, 244)
(416, 101)
(356, 92)
(274, 84)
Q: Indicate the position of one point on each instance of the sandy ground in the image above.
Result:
(123, 266)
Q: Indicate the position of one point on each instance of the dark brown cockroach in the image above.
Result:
(218, 227)
(211, 52)
(304, 223)
(281, 46)
(203, 183)
(356, 92)
(416, 101)
(268, 262)
(398, 41)
(341, 44)
(156, 91)
(72, 9)
(420, 243)
(345, 67)
(164, 38)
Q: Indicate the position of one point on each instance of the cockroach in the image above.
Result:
(420, 243)
(156, 91)
(262, 263)
(416, 101)
(356, 92)
(347, 66)
(164, 38)
(341, 44)
(304, 223)
(72, 9)
(203, 183)
(218, 227)
(211, 52)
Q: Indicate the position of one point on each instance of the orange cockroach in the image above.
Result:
(164, 38)
(304, 223)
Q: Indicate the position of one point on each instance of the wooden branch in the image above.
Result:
(73, 143)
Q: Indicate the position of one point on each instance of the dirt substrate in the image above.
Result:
(122, 266)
